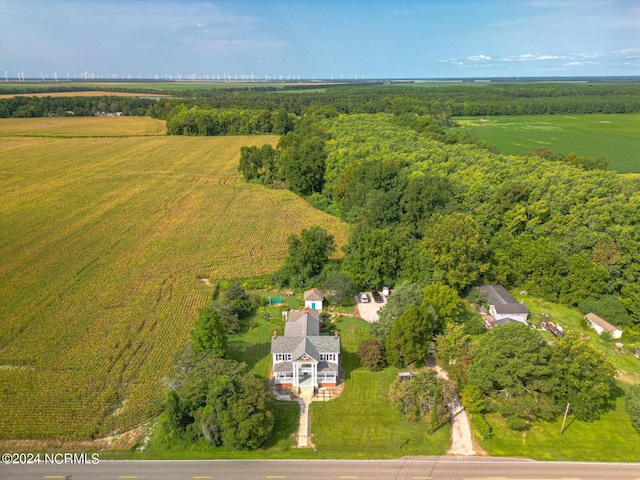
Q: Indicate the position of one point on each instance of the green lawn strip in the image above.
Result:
(361, 423)
(613, 136)
(610, 439)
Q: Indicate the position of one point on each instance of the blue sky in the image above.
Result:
(321, 38)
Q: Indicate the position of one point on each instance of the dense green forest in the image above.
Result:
(498, 99)
(429, 210)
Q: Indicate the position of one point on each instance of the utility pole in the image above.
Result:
(564, 419)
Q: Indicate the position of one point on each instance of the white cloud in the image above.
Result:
(479, 58)
(528, 57)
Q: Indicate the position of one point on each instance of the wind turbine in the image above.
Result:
(23, 76)
(55, 75)
(6, 79)
(68, 77)
(86, 75)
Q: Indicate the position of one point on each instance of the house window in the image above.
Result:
(283, 357)
(328, 357)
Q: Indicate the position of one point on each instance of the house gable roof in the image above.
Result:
(601, 322)
(314, 295)
(502, 301)
(301, 324)
(302, 335)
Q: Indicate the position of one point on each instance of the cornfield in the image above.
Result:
(103, 241)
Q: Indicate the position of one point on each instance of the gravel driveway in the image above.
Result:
(369, 311)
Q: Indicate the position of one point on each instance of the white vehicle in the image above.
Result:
(364, 298)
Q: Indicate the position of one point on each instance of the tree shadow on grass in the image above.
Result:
(350, 361)
(249, 354)
(287, 415)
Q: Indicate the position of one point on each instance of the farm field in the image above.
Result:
(63, 127)
(88, 93)
(613, 136)
(104, 242)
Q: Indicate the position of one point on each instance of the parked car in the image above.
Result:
(363, 297)
(377, 297)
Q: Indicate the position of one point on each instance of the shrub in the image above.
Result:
(371, 353)
(633, 406)
(479, 426)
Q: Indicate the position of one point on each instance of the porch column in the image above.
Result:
(314, 370)
(295, 375)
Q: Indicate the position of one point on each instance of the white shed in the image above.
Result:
(313, 299)
(600, 325)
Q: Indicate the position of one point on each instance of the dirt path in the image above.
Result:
(461, 439)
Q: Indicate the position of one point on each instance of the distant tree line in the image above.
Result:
(24, 107)
(461, 100)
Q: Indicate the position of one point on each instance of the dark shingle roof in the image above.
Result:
(502, 300)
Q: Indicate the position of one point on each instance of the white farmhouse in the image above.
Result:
(303, 358)
(502, 306)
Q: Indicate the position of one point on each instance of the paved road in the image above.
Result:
(418, 468)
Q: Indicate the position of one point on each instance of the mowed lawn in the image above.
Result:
(103, 242)
(361, 423)
(616, 137)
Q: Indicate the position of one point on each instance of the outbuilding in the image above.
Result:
(600, 325)
(313, 299)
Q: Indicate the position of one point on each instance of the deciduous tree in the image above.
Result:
(209, 334)
(422, 396)
(371, 354)
(581, 376)
(511, 367)
(410, 337)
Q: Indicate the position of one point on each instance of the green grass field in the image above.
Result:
(361, 423)
(610, 439)
(104, 241)
(616, 137)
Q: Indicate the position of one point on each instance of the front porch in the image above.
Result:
(299, 374)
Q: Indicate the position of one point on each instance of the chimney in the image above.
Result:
(275, 334)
